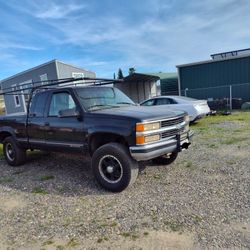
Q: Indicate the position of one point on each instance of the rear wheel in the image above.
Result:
(165, 159)
(13, 154)
(113, 167)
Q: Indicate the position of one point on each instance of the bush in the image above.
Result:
(245, 105)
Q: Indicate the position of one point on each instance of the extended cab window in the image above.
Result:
(38, 104)
(60, 101)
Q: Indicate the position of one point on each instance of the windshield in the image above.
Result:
(102, 98)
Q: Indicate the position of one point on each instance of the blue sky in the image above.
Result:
(104, 35)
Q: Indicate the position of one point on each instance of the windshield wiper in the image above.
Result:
(101, 105)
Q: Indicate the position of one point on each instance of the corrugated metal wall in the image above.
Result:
(204, 80)
(169, 86)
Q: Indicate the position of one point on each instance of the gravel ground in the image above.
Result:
(201, 201)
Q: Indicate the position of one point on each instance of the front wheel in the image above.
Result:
(165, 159)
(13, 154)
(113, 167)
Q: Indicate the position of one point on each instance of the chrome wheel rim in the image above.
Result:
(10, 153)
(110, 169)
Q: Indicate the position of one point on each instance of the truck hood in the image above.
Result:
(141, 113)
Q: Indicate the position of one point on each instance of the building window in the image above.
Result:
(44, 78)
(16, 97)
(17, 101)
(26, 88)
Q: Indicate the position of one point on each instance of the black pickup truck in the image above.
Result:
(99, 121)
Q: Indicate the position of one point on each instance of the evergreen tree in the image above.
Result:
(131, 71)
(114, 76)
(120, 74)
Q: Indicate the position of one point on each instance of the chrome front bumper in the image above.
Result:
(150, 151)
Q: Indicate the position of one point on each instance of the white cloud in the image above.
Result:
(54, 11)
(13, 45)
(192, 34)
(160, 37)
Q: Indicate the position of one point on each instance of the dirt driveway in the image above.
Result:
(201, 201)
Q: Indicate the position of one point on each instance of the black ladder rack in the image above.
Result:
(67, 82)
(43, 85)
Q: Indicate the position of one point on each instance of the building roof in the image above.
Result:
(165, 75)
(211, 61)
(40, 66)
(136, 77)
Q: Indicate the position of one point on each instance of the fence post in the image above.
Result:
(186, 89)
(230, 97)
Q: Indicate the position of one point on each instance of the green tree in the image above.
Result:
(120, 74)
(131, 71)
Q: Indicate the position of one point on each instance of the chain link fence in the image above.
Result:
(222, 97)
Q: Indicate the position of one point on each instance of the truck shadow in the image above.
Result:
(52, 173)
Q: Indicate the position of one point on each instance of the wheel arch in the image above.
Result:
(99, 139)
(4, 134)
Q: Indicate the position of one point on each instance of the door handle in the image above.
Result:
(46, 124)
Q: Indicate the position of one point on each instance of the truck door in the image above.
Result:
(35, 126)
(63, 132)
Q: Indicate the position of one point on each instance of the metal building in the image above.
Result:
(168, 83)
(226, 75)
(52, 70)
(139, 87)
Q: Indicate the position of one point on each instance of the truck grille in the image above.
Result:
(172, 132)
(172, 122)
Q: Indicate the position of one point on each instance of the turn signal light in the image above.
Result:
(141, 127)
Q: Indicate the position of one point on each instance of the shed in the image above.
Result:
(139, 87)
(169, 82)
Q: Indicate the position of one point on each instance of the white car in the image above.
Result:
(196, 109)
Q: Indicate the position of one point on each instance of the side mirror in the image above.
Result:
(69, 113)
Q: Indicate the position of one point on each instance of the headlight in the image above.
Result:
(147, 139)
(140, 127)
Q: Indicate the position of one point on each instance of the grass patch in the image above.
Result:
(241, 116)
(72, 242)
(46, 178)
(48, 242)
(113, 224)
(157, 177)
(212, 145)
(126, 234)
(197, 219)
(130, 235)
(39, 190)
(99, 240)
(233, 140)
(174, 226)
(188, 164)
(6, 179)
(134, 236)
(18, 172)
(60, 247)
